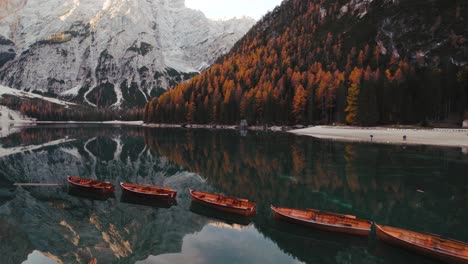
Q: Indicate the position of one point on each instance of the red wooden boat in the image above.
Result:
(149, 192)
(446, 250)
(323, 220)
(89, 185)
(224, 203)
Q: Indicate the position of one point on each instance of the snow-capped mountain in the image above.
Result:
(108, 52)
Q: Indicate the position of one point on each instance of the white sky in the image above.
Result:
(222, 9)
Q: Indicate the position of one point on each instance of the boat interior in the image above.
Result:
(89, 182)
(224, 200)
(148, 189)
(325, 217)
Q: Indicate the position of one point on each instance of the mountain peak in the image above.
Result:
(125, 49)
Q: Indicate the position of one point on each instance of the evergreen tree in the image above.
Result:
(352, 110)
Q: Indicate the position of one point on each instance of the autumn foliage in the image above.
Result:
(306, 62)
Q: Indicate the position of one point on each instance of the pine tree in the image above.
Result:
(352, 109)
(191, 112)
(299, 103)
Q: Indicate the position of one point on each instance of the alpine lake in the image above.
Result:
(420, 188)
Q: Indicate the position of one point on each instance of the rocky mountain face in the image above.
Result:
(107, 53)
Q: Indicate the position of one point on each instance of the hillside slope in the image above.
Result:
(362, 62)
(18, 106)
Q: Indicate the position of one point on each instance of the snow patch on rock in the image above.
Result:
(72, 92)
(356, 7)
(23, 94)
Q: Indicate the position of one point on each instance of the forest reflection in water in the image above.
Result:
(416, 187)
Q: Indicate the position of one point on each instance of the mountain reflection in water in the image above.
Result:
(417, 187)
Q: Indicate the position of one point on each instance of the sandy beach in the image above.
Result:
(436, 136)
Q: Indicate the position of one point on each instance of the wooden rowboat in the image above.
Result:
(323, 220)
(89, 185)
(149, 192)
(446, 250)
(224, 203)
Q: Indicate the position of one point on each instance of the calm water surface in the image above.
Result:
(415, 187)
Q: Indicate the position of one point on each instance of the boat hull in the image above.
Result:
(132, 199)
(220, 215)
(83, 188)
(316, 225)
(90, 195)
(158, 197)
(447, 258)
(226, 209)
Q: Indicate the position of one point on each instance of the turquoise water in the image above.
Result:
(415, 187)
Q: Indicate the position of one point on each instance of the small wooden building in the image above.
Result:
(243, 124)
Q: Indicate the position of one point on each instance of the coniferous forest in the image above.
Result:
(43, 110)
(334, 61)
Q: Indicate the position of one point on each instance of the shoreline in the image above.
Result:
(449, 137)
(113, 122)
(435, 136)
(227, 127)
(25, 123)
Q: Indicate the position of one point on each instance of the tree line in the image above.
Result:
(47, 111)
